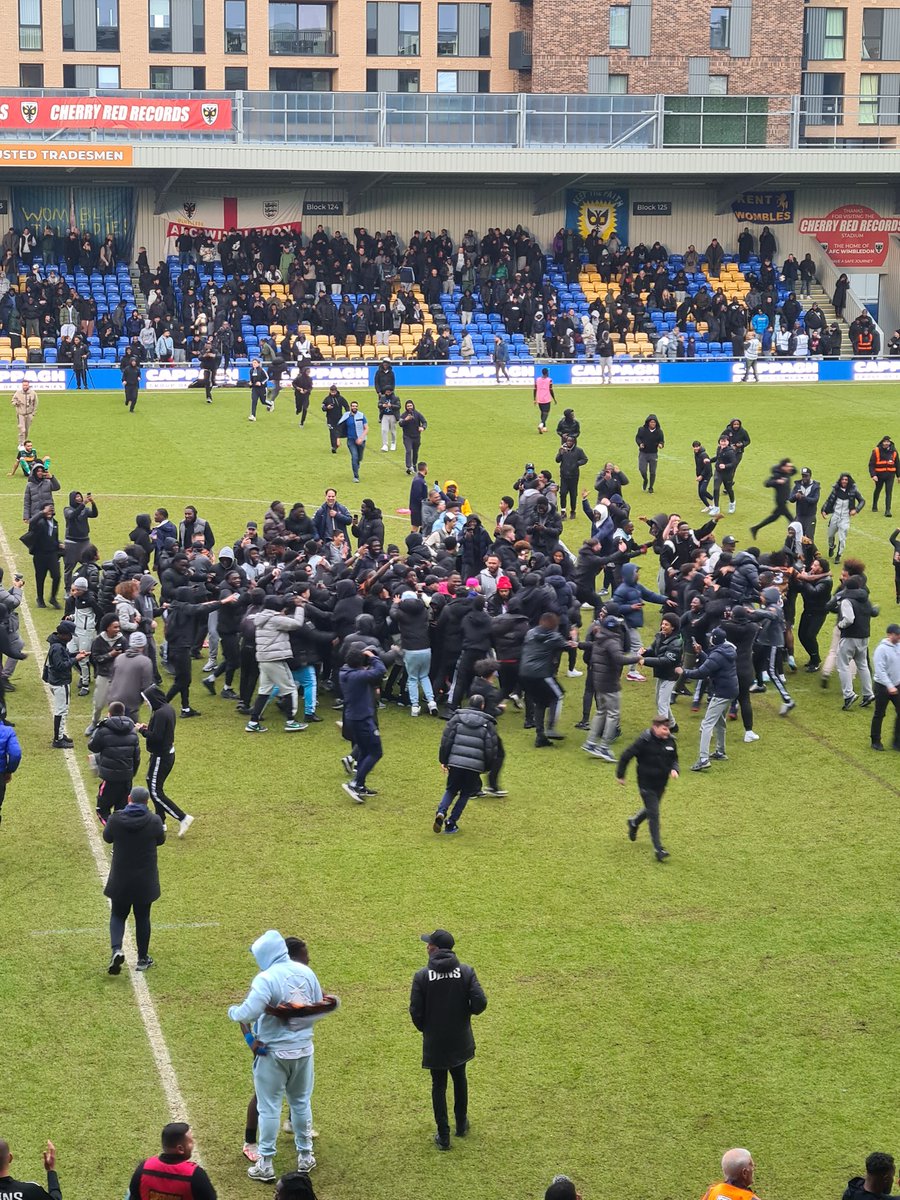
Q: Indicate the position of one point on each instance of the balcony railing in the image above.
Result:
(315, 42)
(540, 121)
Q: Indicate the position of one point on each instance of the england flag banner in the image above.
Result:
(275, 213)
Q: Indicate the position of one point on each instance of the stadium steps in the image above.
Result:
(823, 299)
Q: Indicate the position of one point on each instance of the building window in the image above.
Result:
(392, 29)
(834, 33)
(619, 16)
(160, 27)
(300, 29)
(30, 25)
(31, 75)
(68, 24)
(107, 77)
(484, 31)
(463, 81)
(161, 79)
(108, 25)
(235, 26)
(235, 79)
(617, 85)
(293, 79)
(408, 31)
(719, 28)
(199, 81)
(873, 27)
(717, 86)
(392, 81)
(198, 19)
(448, 34)
(869, 88)
(69, 75)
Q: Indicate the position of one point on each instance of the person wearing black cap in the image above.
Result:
(805, 497)
(133, 883)
(656, 755)
(334, 406)
(445, 996)
(58, 674)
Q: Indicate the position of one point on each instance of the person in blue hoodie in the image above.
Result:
(10, 757)
(286, 1000)
(631, 595)
(719, 666)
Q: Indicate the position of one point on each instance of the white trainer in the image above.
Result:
(750, 736)
(305, 1163)
(415, 710)
(262, 1171)
(184, 826)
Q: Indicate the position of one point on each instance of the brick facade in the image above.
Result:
(565, 35)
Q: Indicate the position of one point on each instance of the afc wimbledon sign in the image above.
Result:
(853, 235)
(172, 116)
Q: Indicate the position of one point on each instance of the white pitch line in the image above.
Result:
(149, 1016)
(95, 929)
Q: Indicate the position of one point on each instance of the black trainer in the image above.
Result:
(115, 963)
(632, 830)
(462, 1130)
(442, 1141)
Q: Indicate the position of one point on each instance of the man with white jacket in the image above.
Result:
(285, 1000)
(273, 654)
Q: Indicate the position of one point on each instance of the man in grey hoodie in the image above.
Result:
(132, 674)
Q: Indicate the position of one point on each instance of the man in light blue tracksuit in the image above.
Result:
(283, 1065)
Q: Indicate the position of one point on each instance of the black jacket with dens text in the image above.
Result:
(445, 996)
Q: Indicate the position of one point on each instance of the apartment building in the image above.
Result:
(261, 45)
(851, 81)
(744, 47)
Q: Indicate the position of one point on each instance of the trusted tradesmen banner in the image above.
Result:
(764, 208)
(588, 209)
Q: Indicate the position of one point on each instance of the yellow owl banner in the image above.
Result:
(604, 211)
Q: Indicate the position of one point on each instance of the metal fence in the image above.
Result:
(517, 121)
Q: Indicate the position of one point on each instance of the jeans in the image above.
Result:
(650, 813)
(854, 650)
(356, 455)
(463, 784)
(305, 678)
(367, 745)
(117, 918)
(439, 1097)
(418, 666)
(882, 700)
(274, 1078)
(714, 719)
(606, 721)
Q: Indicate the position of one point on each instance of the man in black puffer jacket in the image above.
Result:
(445, 996)
(656, 756)
(477, 638)
(117, 747)
(468, 749)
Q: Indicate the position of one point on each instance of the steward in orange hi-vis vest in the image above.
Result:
(728, 1191)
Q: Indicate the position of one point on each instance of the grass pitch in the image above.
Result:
(641, 1017)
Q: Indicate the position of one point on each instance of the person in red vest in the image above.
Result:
(171, 1173)
(884, 467)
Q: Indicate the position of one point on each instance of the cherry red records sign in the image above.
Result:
(853, 235)
(55, 112)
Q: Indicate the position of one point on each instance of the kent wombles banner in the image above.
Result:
(275, 213)
(764, 208)
(605, 211)
(169, 116)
